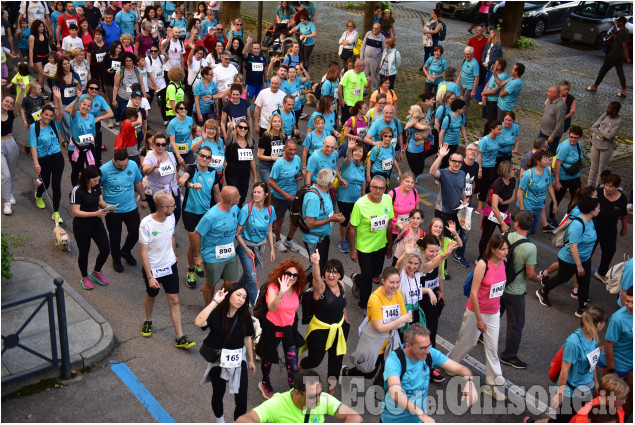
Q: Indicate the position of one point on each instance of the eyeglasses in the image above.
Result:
(425, 347)
(291, 275)
(378, 187)
(332, 272)
(160, 145)
(455, 161)
(169, 206)
(208, 157)
(381, 103)
(243, 127)
(93, 88)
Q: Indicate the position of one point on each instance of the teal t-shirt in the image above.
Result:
(507, 139)
(436, 67)
(118, 186)
(452, 126)
(311, 208)
(569, 155)
(313, 142)
(355, 176)
(288, 122)
(491, 84)
(318, 161)
(99, 105)
(82, 130)
(257, 227)
(47, 143)
(488, 147)
(294, 89)
(284, 172)
(585, 236)
(382, 159)
(329, 121)
(620, 332)
(202, 90)
(126, 22)
(574, 351)
(198, 201)
(218, 154)
(535, 187)
(218, 231)
(627, 279)
(513, 88)
(469, 71)
(307, 29)
(379, 125)
(181, 132)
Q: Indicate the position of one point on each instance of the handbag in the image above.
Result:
(212, 355)
(576, 165)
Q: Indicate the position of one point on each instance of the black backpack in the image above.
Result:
(317, 91)
(509, 264)
(443, 32)
(379, 378)
(296, 209)
(260, 307)
(38, 129)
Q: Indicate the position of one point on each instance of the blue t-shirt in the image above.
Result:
(23, 42)
(126, 21)
(313, 142)
(379, 125)
(198, 201)
(292, 60)
(329, 122)
(453, 87)
(310, 8)
(507, 139)
(413, 147)
(182, 24)
(113, 32)
(469, 71)
(535, 193)
(585, 236)
(293, 88)
(284, 173)
(257, 227)
(318, 161)
(168, 7)
(218, 153)
(218, 229)
(620, 332)
(355, 176)
(569, 155)
(284, 14)
(414, 384)
(82, 130)
(306, 29)
(255, 66)
(627, 279)
(513, 88)
(206, 25)
(118, 186)
(491, 84)
(382, 159)
(99, 105)
(452, 126)
(442, 112)
(574, 351)
(329, 88)
(488, 147)
(200, 89)
(436, 67)
(288, 122)
(181, 132)
(47, 143)
(311, 208)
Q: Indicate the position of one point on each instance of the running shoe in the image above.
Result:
(6, 210)
(579, 312)
(13, 201)
(183, 342)
(436, 375)
(528, 420)
(199, 271)
(116, 265)
(548, 228)
(494, 392)
(461, 261)
(516, 363)
(479, 211)
(574, 293)
(86, 283)
(265, 389)
(543, 298)
(99, 278)
(191, 280)
(56, 217)
(146, 330)
(292, 245)
(129, 258)
(304, 116)
(280, 246)
(553, 222)
(600, 277)
(344, 247)
(39, 202)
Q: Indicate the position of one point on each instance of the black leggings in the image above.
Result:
(608, 245)
(571, 185)
(240, 182)
(489, 227)
(485, 183)
(114, 223)
(290, 361)
(177, 203)
(432, 312)
(77, 166)
(416, 162)
(219, 386)
(565, 272)
(316, 342)
(368, 375)
(85, 229)
(52, 165)
(98, 144)
(305, 52)
(370, 264)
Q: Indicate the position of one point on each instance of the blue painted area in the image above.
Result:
(143, 395)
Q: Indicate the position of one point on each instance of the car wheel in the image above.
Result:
(565, 39)
(539, 28)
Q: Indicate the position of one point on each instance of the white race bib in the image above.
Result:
(386, 164)
(245, 155)
(159, 73)
(361, 132)
(167, 169)
(217, 161)
(37, 115)
(593, 357)
(162, 271)
(432, 283)
(128, 89)
(183, 148)
(468, 189)
(116, 65)
(155, 28)
(378, 223)
(231, 358)
(225, 251)
(277, 150)
(497, 289)
(393, 142)
(296, 96)
(492, 216)
(390, 312)
(357, 92)
(69, 92)
(99, 57)
(403, 217)
(85, 139)
(83, 75)
(257, 67)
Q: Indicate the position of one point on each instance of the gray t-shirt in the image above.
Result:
(451, 189)
(125, 86)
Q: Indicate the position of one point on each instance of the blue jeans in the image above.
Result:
(264, 169)
(460, 252)
(536, 214)
(553, 146)
(248, 278)
(429, 51)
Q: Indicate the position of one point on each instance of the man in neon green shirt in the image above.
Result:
(351, 88)
(305, 403)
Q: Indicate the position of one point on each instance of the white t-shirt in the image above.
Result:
(411, 288)
(176, 50)
(37, 10)
(159, 74)
(268, 103)
(69, 43)
(144, 104)
(224, 76)
(211, 61)
(82, 70)
(193, 70)
(158, 237)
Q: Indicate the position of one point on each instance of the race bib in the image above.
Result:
(116, 65)
(217, 161)
(496, 290)
(390, 312)
(37, 115)
(71, 21)
(357, 92)
(393, 142)
(257, 67)
(492, 216)
(82, 75)
(277, 150)
(183, 148)
(362, 132)
(386, 164)
(231, 358)
(99, 57)
(468, 189)
(167, 169)
(69, 92)
(128, 89)
(432, 283)
(378, 223)
(296, 96)
(155, 28)
(86, 139)
(228, 85)
(162, 271)
(403, 217)
(159, 73)
(3, 57)
(225, 251)
(593, 357)
(235, 120)
(245, 155)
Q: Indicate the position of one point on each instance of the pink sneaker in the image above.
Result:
(99, 278)
(86, 283)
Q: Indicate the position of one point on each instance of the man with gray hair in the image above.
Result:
(370, 237)
(225, 72)
(470, 168)
(468, 78)
(143, 40)
(351, 89)
(552, 122)
(317, 213)
(267, 101)
(372, 47)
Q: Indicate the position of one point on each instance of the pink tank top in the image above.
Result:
(285, 313)
(402, 205)
(491, 289)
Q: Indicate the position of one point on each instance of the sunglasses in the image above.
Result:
(154, 51)
(160, 145)
(291, 275)
(238, 25)
(182, 108)
(455, 161)
(93, 88)
(219, 29)
(208, 157)
(243, 127)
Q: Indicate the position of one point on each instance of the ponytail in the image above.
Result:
(590, 319)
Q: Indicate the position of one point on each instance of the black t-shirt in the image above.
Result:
(329, 308)
(92, 16)
(471, 172)
(87, 201)
(7, 125)
(30, 106)
(617, 50)
(504, 191)
(236, 111)
(102, 51)
(217, 334)
(610, 213)
(234, 165)
(267, 142)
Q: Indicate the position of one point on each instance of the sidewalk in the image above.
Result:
(91, 338)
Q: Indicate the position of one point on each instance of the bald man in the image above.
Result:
(552, 123)
(158, 247)
(267, 101)
(213, 242)
(351, 88)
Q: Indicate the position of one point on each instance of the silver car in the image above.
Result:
(591, 20)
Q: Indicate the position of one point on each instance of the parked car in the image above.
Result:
(591, 20)
(539, 16)
(460, 9)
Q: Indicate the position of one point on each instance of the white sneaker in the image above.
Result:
(6, 210)
(12, 200)
(290, 243)
(600, 278)
(279, 245)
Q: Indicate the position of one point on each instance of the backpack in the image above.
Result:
(308, 306)
(614, 276)
(260, 306)
(179, 87)
(296, 209)
(379, 378)
(317, 91)
(136, 71)
(556, 365)
(559, 238)
(357, 50)
(441, 89)
(443, 32)
(38, 129)
(467, 287)
(509, 264)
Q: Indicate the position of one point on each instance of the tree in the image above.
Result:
(229, 11)
(369, 9)
(512, 22)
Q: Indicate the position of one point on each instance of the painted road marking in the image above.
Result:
(143, 395)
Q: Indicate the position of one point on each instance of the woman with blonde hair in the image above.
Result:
(347, 42)
(128, 43)
(270, 146)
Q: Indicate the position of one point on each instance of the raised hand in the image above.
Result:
(444, 150)
(57, 92)
(220, 296)
(285, 283)
(451, 226)
(315, 257)
(411, 246)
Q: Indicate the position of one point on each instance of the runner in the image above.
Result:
(352, 184)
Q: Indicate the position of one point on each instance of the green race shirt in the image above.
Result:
(524, 254)
(367, 214)
(353, 86)
(281, 409)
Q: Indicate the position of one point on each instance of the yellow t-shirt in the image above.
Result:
(381, 308)
(20, 79)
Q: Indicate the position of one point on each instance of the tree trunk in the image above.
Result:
(369, 9)
(230, 10)
(512, 22)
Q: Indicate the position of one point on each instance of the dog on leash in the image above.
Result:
(61, 238)
(257, 333)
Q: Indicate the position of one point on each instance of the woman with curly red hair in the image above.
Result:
(286, 283)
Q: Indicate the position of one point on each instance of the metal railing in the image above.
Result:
(12, 341)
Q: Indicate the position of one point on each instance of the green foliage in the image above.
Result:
(355, 5)
(7, 258)
(386, 5)
(525, 43)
